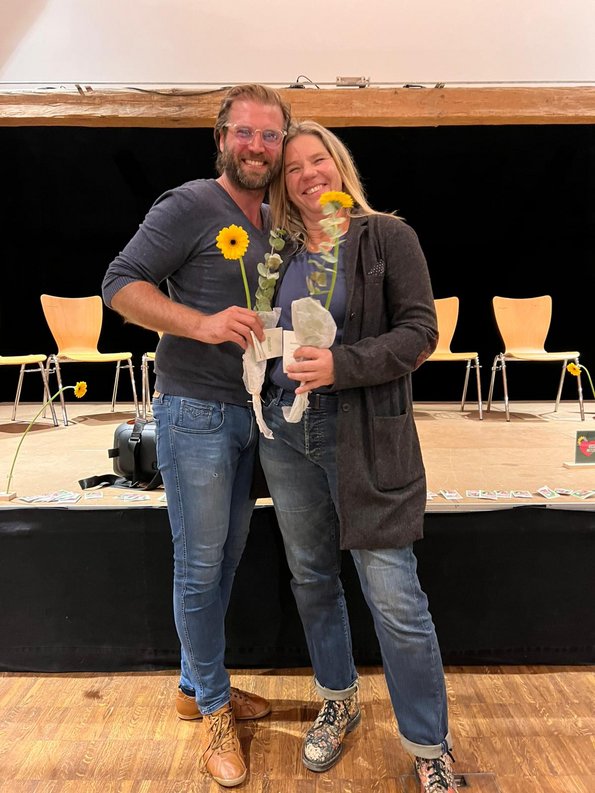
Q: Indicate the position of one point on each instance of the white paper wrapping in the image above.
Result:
(314, 326)
(254, 371)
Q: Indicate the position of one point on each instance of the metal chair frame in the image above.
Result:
(36, 363)
(75, 324)
(523, 324)
(447, 312)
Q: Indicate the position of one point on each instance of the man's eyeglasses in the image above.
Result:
(243, 134)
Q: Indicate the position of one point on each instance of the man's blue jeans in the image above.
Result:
(206, 454)
(299, 464)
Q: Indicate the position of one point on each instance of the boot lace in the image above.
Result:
(334, 713)
(222, 732)
(438, 774)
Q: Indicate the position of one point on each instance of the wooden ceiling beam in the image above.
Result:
(343, 107)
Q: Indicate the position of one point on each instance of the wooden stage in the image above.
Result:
(88, 651)
(506, 578)
(461, 453)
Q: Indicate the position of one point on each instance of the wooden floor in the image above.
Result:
(460, 452)
(515, 730)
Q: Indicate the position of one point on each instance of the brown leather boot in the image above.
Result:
(245, 705)
(220, 750)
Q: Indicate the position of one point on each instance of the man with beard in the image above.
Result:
(206, 433)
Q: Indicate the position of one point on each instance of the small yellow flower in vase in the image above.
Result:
(80, 389)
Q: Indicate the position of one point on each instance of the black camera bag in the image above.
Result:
(135, 458)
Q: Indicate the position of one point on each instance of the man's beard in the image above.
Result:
(230, 164)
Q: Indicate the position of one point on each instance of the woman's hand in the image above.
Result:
(314, 368)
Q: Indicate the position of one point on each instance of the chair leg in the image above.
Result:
(144, 379)
(18, 394)
(579, 384)
(479, 397)
(53, 359)
(46, 393)
(492, 379)
(115, 391)
(499, 363)
(133, 384)
(467, 370)
(505, 385)
(559, 394)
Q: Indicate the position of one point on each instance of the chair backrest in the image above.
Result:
(75, 322)
(447, 313)
(523, 322)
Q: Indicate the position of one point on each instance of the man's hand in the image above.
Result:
(233, 324)
(314, 368)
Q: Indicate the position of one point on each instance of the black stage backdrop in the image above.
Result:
(507, 210)
(82, 591)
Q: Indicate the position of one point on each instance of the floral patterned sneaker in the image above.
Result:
(324, 740)
(436, 776)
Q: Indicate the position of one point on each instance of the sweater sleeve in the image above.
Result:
(159, 247)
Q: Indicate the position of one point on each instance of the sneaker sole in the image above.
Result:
(318, 767)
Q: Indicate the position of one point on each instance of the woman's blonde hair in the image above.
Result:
(284, 213)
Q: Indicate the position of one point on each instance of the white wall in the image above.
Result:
(219, 42)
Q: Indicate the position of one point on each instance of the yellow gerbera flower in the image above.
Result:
(233, 242)
(573, 369)
(80, 389)
(341, 200)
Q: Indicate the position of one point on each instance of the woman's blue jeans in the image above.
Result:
(299, 464)
(205, 452)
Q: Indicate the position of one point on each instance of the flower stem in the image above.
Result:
(586, 371)
(245, 280)
(329, 296)
(31, 423)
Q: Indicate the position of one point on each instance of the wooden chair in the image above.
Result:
(75, 324)
(29, 363)
(523, 324)
(447, 312)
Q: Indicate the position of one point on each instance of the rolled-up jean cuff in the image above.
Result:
(427, 752)
(337, 696)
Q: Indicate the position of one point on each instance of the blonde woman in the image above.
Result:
(349, 474)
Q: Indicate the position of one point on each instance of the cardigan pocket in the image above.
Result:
(397, 454)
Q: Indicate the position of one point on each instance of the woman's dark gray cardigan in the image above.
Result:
(390, 329)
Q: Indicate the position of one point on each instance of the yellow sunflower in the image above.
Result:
(233, 242)
(336, 197)
(573, 369)
(80, 389)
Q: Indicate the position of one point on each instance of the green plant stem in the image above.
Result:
(586, 371)
(31, 423)
(245, 280)
(329, 296)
